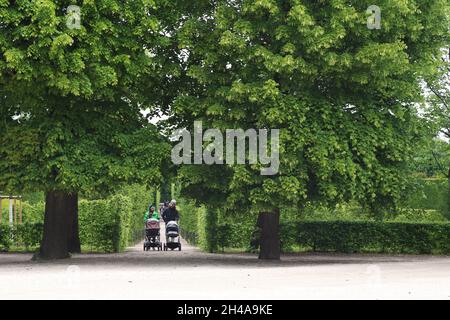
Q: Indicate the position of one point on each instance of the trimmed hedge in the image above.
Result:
(27, 235)
(366, 236)
(105, 225)
(191, 218)
(350, 237)
(33, 213)
(5, 237)
(138, 196)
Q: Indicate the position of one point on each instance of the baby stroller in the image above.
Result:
(152, 235)
(172, 236)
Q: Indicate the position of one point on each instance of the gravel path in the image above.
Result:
(192, 274)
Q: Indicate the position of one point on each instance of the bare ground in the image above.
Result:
(192, 274)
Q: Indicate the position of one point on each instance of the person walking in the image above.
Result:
(171, 213)
(163, 208)
(151, 213)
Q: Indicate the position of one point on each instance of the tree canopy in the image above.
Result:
(71, 101)
(343, 95)
(72, 97)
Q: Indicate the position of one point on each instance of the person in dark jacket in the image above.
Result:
(171, 213)
(163, 208)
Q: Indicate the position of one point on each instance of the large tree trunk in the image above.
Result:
(54, 242)
(73, 236)
(269, 241)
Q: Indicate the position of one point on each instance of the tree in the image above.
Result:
(438, 89)
(343, 95)
(71, 100)
(431, 158)
(438, 110)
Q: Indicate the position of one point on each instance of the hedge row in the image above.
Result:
(351, 236)
(27, 235)
(33, 213)
(138, 195)
(364, 236)
(192, 217)
(105, 225)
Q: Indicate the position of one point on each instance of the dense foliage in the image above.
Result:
(106, 225)
(71, 101)
(438, 90)
(343, 95)
(26, 236)
(70, 118)
(348, 236)
(358, 236)
(237, 231)
(431, 194)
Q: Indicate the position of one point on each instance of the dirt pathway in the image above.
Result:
(192, 274)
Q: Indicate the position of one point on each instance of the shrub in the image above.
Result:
(368, 236)
(108, 225)
(431, 194)
(224, 238)
(417, 215)
(348, 236)
(28, 234)
(191, 217)
(105, 224)
(216, 229)
(33, 212)
(5, 237)
(139, 197)
(122, 209)
(235, 231)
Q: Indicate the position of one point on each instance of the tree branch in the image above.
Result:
(439, 164)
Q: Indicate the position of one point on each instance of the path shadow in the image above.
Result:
(195, 258)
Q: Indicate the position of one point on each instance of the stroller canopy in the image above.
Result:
(152, 224)
(172, 228)
(172, 224)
